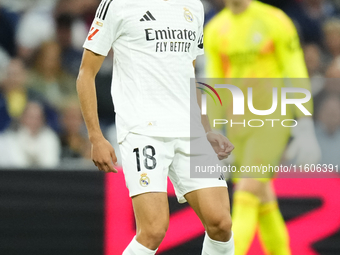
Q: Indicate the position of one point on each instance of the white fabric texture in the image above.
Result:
(154, 44)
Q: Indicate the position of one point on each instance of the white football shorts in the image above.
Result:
(148, 161)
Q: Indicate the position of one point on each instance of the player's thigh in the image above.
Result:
(268, 194)
(262, 151)
(151, 212)
(265, 147)
(262, 188)
(255, 186)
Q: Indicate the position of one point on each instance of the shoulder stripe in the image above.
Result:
(101, 13)
(107, 8)
(100, 8)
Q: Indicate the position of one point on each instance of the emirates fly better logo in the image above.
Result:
(238, 101)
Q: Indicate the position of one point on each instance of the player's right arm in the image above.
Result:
(215, 67)
(102, 153)
(106, 28)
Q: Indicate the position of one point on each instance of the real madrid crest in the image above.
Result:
(144, 180)
(188, 15)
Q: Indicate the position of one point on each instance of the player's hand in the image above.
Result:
(103, 156)
(221, 145)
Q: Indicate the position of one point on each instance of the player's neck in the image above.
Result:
(238, 6)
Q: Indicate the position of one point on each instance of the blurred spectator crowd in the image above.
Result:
(40, 53)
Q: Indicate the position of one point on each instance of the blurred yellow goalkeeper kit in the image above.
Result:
(260, 42)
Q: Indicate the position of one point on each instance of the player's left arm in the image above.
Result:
(221, 144)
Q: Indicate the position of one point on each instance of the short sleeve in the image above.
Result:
(106, 27)
(199, 47)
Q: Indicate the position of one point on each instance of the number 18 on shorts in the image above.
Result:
(145, 167)
(148, 161)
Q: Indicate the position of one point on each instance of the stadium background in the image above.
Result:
(52, 200)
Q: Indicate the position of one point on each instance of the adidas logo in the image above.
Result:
(147, 17)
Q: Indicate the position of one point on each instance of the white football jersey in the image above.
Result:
(154, 44)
